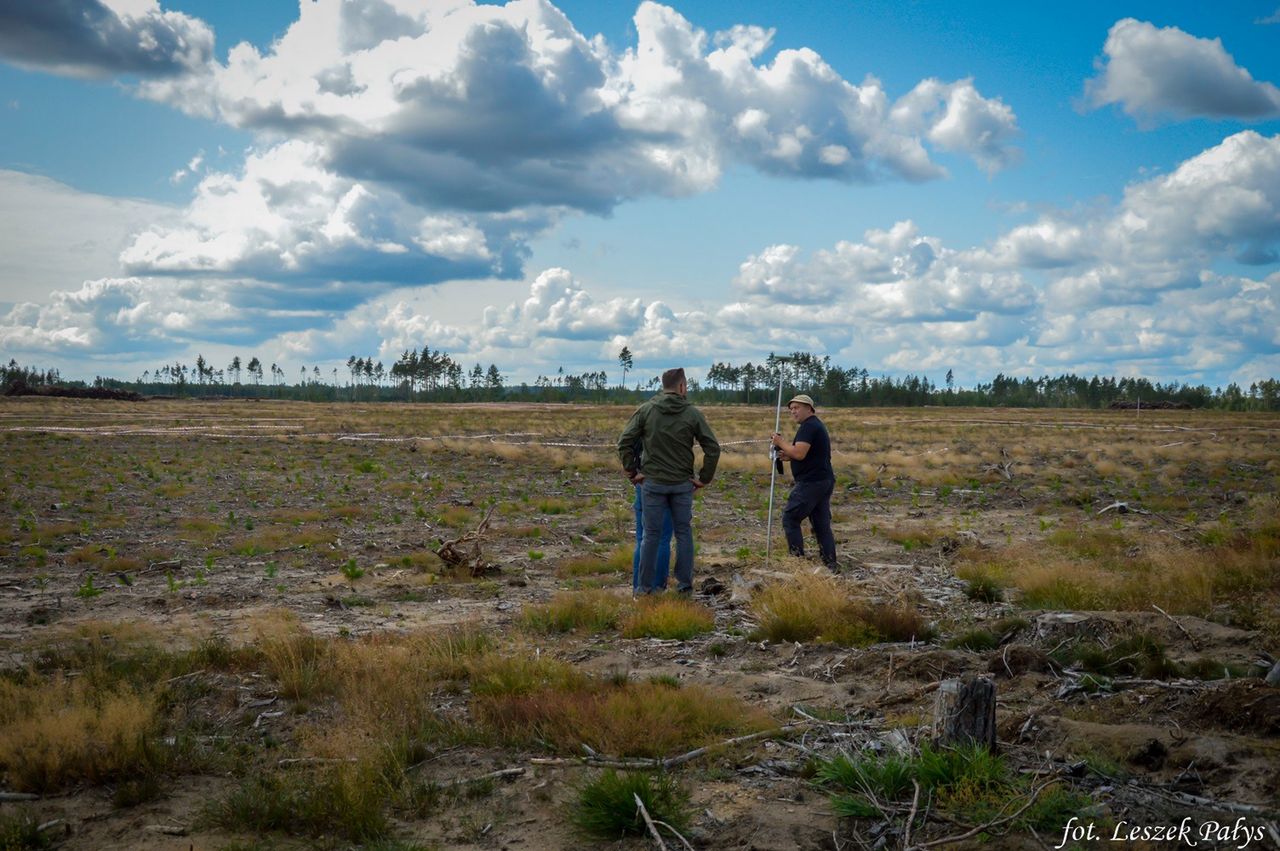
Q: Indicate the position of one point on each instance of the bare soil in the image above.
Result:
(188, 516)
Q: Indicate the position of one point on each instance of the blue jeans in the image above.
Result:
(664, 547)
(811, 500)
(659, 499)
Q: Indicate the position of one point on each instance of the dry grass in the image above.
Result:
(1093, 568)
(642, 719)
(587, 611)
(618, 561)
(275, 538)
(668, 616)
(384, 686)
(57, 732)
(819, 607)
(455, 516)
(300, 662)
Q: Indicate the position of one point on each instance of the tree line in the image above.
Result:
(427, 375)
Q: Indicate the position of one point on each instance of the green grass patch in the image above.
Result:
(605, 806)
(970, 785)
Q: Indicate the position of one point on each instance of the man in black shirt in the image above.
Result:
(815, 480)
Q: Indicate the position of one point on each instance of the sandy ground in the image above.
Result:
(201, 503)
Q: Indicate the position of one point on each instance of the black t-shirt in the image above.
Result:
(816, 466)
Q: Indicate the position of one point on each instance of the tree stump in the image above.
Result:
(965, 713)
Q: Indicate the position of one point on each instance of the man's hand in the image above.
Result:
(634, 476)
(780, 444)
(698, 484)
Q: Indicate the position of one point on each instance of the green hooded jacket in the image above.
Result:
(668, 426)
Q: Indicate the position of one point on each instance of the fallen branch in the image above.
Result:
(670, 762)
(653, 829)
(18, 796)
(675, 833)
(494, 775)
(457, 553)
(1195, 644)
(1229, 806)
(982, 828)
(313, 760)
(911, 816)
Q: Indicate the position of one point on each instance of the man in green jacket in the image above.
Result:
(668, 426)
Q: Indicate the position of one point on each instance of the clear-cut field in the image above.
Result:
(212, 606)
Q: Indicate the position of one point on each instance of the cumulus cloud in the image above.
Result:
(103, 38)
(287, 216)
(118, 314)
(559, 307)
(1162, 71)
(494, 108)
(894, 275)
(405, 143)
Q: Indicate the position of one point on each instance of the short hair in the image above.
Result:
(672, 377)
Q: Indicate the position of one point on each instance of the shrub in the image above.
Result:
(668, 617)
(606, 805)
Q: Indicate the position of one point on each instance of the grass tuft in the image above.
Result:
(346, 801)
(968, 784)
(647, 719)
(668, 617)
(575, 611)
(618, 561)
(817, 607)
(605, 807)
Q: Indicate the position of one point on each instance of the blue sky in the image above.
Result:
(908, 187)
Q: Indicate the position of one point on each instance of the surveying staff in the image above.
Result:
(815, 480)
(668, 426)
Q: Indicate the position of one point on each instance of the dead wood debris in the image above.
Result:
(466, 552)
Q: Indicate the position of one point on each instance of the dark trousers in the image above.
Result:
(811, 500)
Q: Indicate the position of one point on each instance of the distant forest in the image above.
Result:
(424, 375)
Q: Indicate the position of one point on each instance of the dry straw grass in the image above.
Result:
(300, 662)
(642, 719)
(57, 732)
(819, 607)
(666, 616)
(618, 561)
(1094, 568)
(588, 611)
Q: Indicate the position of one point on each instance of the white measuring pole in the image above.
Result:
(773, 474)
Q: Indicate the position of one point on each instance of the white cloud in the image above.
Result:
(53, 236)
(490, 108)
(103, 38)
(893, 275)
(288, 216)
(1152, 71)
(558, 307)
